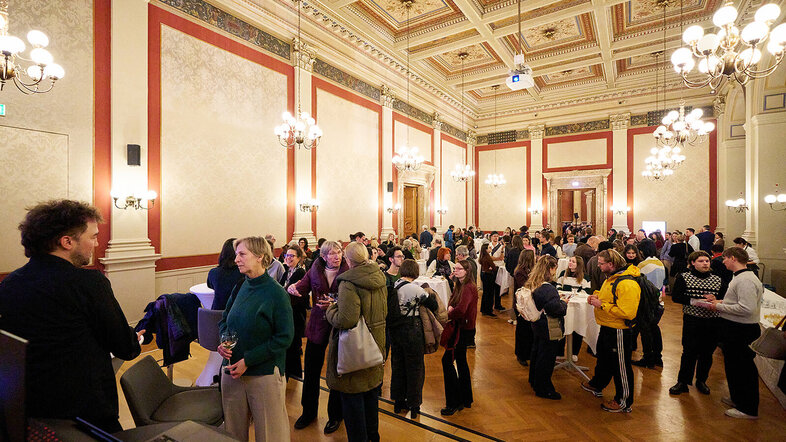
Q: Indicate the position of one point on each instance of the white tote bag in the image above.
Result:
(357, 349)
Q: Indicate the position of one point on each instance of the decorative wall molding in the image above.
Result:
(620, 121)
(304, 54)
(719, 105)
(436, 121)
(387, 97)
(536, 132)
(454, 132)
(353, 83)
(587, 126)
(638, 120)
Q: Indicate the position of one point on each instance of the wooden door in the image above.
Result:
(410, 208)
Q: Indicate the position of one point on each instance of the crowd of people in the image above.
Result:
(271, 304)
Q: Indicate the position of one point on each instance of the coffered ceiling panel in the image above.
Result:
(559, 35)
(479, 56)
(639, 16)
(423, 14)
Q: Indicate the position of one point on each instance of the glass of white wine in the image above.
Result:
(228, 342)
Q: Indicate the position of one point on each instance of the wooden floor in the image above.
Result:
(506, 408)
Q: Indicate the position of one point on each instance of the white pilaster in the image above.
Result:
(751, 165)
(304, 57)
(472, 139)
(387, 99)
(536, 168)
(438, 200)
(619, 192)
(129, 262)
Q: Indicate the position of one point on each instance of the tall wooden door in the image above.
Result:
(410, 208)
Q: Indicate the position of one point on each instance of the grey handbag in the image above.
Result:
(357, 349)
(772, 343)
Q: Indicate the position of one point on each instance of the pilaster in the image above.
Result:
(438, 200)
(536, 179)
(619, 193)
(387, 99)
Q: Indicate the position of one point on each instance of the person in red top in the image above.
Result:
(463, 311)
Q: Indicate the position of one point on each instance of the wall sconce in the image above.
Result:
(394, 209)
(777, 198)
(620, 210)
(134, 201)
(310, 206)
(536, 210)
(442, 210)
(739, 205)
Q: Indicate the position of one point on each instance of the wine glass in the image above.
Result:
(228, 342)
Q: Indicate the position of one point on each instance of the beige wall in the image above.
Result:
(416, 137)
(454, 194)
(223, 173)
(577, 153)
(503, 206)
(47, 139)
(347, 168)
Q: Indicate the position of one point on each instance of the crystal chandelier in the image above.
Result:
(299, 130)
(465, 173)
(731, 54)
(494, 179)
(407, 158)
(40, 66)
(678, 129)
(658, 165)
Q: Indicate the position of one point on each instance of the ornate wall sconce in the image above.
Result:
(777, 201)
(309, 206)
(620, 210)
(394, 209)
(535, 210)
(442, 210)
(739, 205)
(134, 201)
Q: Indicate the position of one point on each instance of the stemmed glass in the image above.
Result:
(228, 342)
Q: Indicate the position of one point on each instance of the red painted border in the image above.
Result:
(528, 145)
(318, 83)
(463, 145)
(156, 18)
(609, 136)
(102, 121)
(631, 167)
(403, 119)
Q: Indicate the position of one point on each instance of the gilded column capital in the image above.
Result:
(386, 96)
(436, 121)
(719, 105)
(536, 132)
(620, 121)
(472, 137)
(304, 55)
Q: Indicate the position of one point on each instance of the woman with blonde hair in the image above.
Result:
(253, 385)
(361, 294)
(548, 330)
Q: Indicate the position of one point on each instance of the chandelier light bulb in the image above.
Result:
(10, 45)
(286, 116)
(767, 13)
(692, 34)
(34, 71)
(750, 56)
(40, 56)
(771, 199)
(708, 44)
(778, 33)
(754, 32)
(724, 16)
(782, 197)
(38, 39)
(54, 71)
(2, 22)
(774, 47)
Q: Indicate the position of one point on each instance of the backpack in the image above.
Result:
(526, 305)
(649, 304)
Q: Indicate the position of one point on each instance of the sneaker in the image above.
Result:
(735, 413)
(614, 407)
(595, 392)
(728, 401)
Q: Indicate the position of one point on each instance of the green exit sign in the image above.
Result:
(2, 110)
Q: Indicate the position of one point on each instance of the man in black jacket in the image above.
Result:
(69, 315)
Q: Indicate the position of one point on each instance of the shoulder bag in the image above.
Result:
(772, 343)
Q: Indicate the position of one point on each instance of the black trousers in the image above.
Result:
(523, 347)
(361, 415)
(699, 340)
(741, 373)
(614, 350)
(294, 368)
(312, 364)
(407, 369)
(652, 340)
(577, 340)
(488, 298)
(544, 354)
(458, 382)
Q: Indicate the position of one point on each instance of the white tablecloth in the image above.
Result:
(204, 294)
(580, 318)
(503, 279)
(439, 285)
(424, 254)
(478, 242)
(422, 266)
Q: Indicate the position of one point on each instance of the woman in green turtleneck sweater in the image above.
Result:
(253, 382)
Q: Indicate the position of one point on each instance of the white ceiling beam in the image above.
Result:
(469, 11)
(338, 4)
(425, 37)
(604, 28)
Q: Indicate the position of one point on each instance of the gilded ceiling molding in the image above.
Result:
(230, 24)
(620, 121)
(587, 126)
(472, 137)
(482, 140)
(454, 132)
(337, 75)
(638, 120)
(719, 105)
(522, 134)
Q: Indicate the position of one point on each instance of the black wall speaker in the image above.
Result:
(134, 155)
(390, 186)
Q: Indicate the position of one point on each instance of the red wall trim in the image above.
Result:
(609, 136)
(528, 180)
(318, 83)
(631, 169)
(102, 121)
(156, 18)
(713, 139)
(416, 125)
(463, 145)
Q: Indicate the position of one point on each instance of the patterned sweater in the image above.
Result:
(694, 285)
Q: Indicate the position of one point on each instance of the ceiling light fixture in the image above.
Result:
(731, 54)
(41, 67)
(407, 158)
(494, 179)
(299, 130)
(462, 174)
(521, 76)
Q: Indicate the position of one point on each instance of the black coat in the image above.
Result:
(72, 321)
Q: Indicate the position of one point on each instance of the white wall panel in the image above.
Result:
(454, 194)
(503, 206)
(577, 153)
(223, 172)
(347, 168)
(682, 200)
(417, 138)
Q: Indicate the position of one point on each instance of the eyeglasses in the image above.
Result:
(334, 253)
(398, 256)
(289, 255)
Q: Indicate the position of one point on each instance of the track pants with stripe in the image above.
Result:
(614, 350)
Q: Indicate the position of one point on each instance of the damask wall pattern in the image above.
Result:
(347, 170)
(34, 168)
(223, 174)
(415, 137)
(577, 153)
(682, 199)
(503, 206)
(454, 195)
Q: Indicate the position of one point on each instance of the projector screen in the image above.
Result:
(651, 226)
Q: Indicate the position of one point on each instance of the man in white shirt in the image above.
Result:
(691, 239)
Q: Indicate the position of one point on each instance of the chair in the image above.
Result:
(208, 328)
(153, 398)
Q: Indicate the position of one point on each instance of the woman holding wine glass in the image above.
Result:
(259, 313)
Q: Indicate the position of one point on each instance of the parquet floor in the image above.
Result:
(506, 408)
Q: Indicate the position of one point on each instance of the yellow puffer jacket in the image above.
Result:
(628, 295)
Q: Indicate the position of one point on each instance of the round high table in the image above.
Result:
(580, 318)
(204, 294)
(213, 365)
(439, 285)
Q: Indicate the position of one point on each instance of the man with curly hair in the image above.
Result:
(68, 314)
